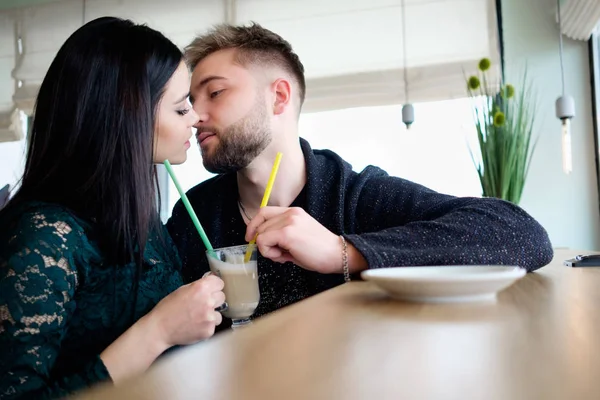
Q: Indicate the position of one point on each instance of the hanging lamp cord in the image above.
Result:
(560, 45)
(406, 101)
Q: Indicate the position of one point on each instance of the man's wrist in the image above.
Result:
(345, 267)
(352, 260)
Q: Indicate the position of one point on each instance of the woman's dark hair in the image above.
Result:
(91, 143)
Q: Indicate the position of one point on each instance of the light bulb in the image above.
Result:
(567, 158)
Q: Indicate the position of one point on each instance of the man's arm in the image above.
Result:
(399, 222)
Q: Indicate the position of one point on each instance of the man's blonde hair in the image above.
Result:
(254, 44)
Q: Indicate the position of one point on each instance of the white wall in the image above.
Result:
(433, 152)
(567, 205)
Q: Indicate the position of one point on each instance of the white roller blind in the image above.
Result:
(46, 27)
(9, 117)
(7, 60)
(580, 18)
(179, 20)
(353, 50)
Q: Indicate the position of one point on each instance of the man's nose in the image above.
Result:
(194, 117)
(202, 116)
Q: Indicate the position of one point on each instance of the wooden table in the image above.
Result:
(539, 340)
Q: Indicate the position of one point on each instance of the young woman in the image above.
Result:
(90, 287)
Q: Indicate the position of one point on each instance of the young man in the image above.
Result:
(324, 222)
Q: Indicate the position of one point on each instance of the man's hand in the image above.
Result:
(290, 234)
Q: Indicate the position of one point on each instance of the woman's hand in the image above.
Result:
(185, 316)
(188, 314)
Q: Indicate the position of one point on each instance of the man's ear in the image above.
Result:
(283, 96)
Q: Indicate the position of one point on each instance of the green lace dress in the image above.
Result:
(61, 305)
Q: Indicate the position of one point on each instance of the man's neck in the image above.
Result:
(289, 182)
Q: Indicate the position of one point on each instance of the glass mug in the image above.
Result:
(241, 281)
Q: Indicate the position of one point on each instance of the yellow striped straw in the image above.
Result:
(265, 200)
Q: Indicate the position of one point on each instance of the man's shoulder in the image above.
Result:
(207, 187)
(204, 194)
(329, 160)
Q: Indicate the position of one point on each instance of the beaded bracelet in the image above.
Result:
(345, 259)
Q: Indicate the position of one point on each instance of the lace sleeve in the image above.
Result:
(37, 282)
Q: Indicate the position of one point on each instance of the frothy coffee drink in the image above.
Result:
(241, 284)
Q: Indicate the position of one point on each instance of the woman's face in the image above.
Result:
(175, 119)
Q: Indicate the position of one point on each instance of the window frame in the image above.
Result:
(594, 66)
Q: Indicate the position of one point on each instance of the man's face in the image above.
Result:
(234, 126)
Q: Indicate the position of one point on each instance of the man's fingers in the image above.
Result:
(274, 224)
(264, 215)
(285, 257)
(272, 244)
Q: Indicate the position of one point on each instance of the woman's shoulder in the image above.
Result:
(40, 221)
(39, 241)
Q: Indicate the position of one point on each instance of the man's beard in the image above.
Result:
(240, 143)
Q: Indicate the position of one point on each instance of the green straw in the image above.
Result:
(188, 207)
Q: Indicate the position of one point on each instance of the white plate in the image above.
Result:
(446, 283)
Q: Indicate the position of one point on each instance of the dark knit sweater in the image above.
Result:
(391, 221)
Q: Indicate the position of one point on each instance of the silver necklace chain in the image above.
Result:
(244, 210)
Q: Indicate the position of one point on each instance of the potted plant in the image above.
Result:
(504, 118)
